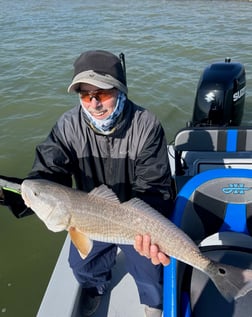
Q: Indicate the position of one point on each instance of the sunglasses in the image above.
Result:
(100, 94)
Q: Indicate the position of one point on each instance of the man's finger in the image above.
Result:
(146, 245)
(165, 260)
(154, 254)
(138, 244)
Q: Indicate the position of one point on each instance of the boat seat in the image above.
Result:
(200, 149)
(213, 202)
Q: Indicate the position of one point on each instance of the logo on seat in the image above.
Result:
(235, 188)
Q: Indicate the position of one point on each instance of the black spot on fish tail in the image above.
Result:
(232, 282)
(222, 271)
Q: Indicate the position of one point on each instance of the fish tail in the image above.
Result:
(232, 282)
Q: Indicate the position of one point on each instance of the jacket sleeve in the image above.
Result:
(53, 159)
(153, 182)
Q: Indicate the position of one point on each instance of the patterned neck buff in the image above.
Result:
(106, 126)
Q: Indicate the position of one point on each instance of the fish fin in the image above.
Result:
(104, 192)
(81, 242)
(141, 205)
(232, 282)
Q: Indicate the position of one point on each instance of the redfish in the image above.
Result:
(99, 215)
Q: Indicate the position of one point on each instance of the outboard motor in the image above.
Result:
(220, 95)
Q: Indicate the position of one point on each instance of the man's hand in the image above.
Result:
(10, 196)
(143, 246)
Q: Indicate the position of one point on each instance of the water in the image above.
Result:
(167, 45)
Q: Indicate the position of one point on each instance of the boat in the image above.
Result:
(211, 165)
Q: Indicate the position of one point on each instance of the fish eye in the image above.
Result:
(222, 271)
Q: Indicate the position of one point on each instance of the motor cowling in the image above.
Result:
(220, 95)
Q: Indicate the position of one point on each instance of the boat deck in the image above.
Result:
(62, 297)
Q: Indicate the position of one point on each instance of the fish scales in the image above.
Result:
(99, 215)
(120, 223)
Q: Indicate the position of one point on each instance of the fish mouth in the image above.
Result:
(25, 196)
(26, 200)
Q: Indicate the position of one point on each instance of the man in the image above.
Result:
(107, 139)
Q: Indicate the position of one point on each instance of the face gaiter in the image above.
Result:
(105, 126)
